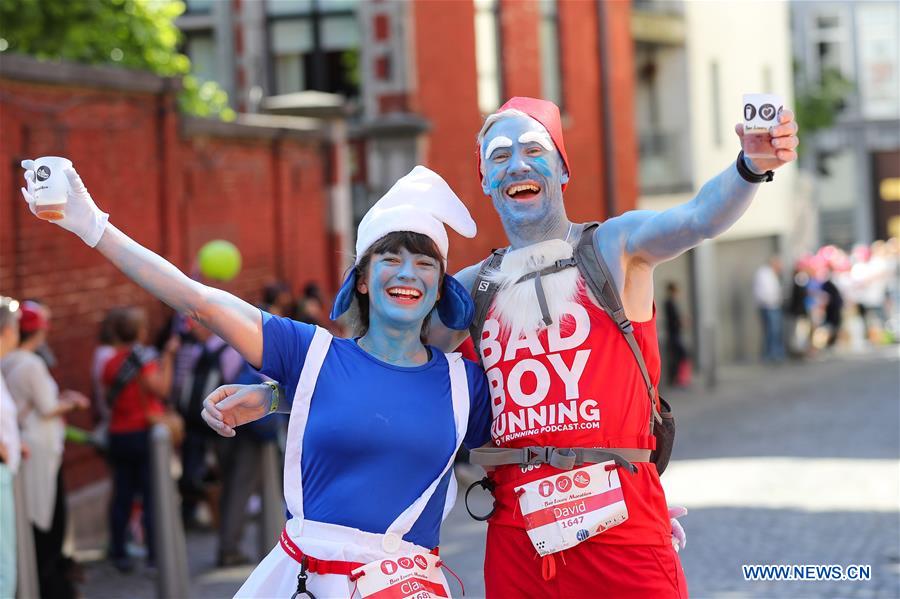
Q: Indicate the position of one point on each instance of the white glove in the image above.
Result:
(679, 538)
(82, 216)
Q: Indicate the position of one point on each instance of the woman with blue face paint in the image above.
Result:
(375, 420)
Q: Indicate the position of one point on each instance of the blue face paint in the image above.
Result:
(529, 163)
(402, 290)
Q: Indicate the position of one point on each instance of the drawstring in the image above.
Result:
(355, 578)
(301, 581)
(441, 564)
(548, 567)
(519, 493)
(610, 469)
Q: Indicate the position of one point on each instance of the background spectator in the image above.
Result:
(798, 310)
(212, 363)
(278, 299)
(768, 296)
(136, 382)
(106, 349)
(674, 335)
(834, 308)
(239, 460)
(10, 452)
(41, 407)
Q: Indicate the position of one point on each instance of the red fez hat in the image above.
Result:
(547, 114)
(34, 317)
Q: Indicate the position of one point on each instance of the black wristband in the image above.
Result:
(748, 175)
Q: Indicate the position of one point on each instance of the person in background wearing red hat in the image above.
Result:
(41, 407)
(563, 375)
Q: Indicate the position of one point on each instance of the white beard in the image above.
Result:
(516, 305)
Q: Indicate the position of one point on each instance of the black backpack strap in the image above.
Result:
(556, 267)
(128, 371)
(483, 293)
(596, 274)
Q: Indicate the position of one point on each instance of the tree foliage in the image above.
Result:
(818, 103)
(137, 34)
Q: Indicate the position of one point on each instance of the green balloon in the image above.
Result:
(219, 260)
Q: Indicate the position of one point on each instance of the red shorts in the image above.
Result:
(512, 569)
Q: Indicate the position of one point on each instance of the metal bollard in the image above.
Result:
(271, 518)
(26, 563)
(171, 551)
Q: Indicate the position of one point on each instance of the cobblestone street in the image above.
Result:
(790, 465)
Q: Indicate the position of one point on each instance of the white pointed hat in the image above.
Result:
(420, 202)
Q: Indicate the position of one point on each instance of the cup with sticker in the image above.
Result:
(51, 186)
(761, 113)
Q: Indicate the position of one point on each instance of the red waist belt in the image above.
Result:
(321, 566)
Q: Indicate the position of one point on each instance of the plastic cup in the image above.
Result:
(761, 112)
(51, 187)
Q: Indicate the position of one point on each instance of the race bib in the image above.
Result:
(406, 577)
(566, 509)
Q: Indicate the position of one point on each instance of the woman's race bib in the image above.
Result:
(563, 510)
(415, 576)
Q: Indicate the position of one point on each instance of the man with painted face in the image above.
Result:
(563, 375)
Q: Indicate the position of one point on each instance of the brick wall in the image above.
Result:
(170, 182)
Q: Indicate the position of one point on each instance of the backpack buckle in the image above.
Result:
(625, 325)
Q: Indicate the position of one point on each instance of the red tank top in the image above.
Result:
(576, 384)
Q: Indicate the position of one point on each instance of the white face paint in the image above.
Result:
(539, 137)
(498, 142)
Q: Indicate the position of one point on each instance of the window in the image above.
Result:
(716, 103)
(314, 45)
(200, 47)
(487, 54)
(198, 6)
(829, 56)
(827, 22)
(830, 48)
(551, 64)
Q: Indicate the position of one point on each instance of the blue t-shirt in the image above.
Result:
(377, 434)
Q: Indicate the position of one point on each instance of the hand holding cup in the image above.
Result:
(768, 133)
(76, 212)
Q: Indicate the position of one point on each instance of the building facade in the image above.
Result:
(417, 78)
(693, 63)
(857, 160)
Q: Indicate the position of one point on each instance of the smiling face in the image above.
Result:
(523, 171)
(402, 287)
(400, 282)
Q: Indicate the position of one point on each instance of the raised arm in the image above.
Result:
(228, 316)
(661, 236)
(233, 319)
